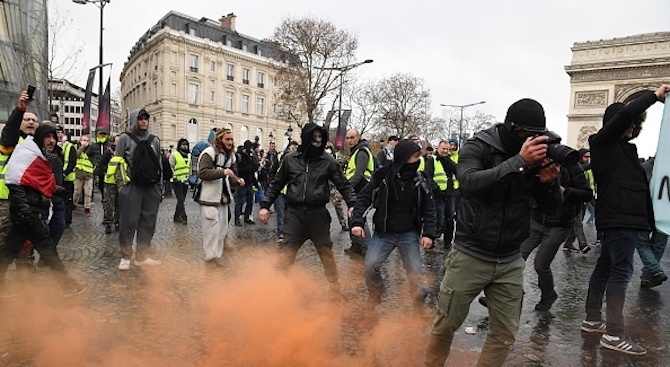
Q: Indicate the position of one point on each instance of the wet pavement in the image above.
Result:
(244, 313)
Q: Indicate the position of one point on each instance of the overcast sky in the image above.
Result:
(466, 51)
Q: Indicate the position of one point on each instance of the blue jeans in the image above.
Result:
(651, 251)
(280, 208)
(379, 249)
(440, 209)
(613, 271)
(57, 222)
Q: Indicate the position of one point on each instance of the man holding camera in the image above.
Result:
(502, 170)
(623, 211)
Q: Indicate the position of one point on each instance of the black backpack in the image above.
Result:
(146, 169)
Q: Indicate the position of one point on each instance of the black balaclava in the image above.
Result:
(184, 153)
(525, 114)
(402, 151)
(310, 147)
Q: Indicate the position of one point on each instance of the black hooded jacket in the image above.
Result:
(623, 198)
(306, 173)
(496, 193)
(577, 191)
(376, 194)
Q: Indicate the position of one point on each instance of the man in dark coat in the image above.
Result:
(404, 218)
(501, 170)
(623, 210)
(306, 174)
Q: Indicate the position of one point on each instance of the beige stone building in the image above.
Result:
(614, 70)
(196, 74)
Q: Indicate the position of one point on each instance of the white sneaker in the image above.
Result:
(148, 261)
(124, 264)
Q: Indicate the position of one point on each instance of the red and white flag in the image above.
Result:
(29, 167)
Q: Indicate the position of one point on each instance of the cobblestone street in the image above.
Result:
(244, 313)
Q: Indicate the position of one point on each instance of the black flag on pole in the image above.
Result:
(86, 120)
(104, 110)
(342, 129)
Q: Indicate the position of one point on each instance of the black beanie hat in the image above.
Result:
(41, 132)
(527, 114)
(583, 151)
(612, 110)
(402, 151)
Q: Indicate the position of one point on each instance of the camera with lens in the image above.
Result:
(557, 152)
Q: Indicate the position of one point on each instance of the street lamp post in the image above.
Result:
(460, 122)
(342, 70)
(101, 5)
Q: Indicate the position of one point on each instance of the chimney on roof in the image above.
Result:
(228, 22)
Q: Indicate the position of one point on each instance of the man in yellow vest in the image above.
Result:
(180, 161)
(438, 169)
(359, 171)
(69, 152)
(110, 201)
(84, 175)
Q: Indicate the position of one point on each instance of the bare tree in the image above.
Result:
(404, 104)
(476, 122)
(365, 106)
(309, 51)
(62, 58)
(439, 128)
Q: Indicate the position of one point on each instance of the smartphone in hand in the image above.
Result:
(31, 92)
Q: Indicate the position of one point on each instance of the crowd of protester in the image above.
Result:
(489, 204)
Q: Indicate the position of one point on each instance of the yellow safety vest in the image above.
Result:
(439, 175)
(454, 158)
(279, 158)
(67, 146)
(112, 166)
(84, 164)
(4, 190)
(351, 166)
(181, 167)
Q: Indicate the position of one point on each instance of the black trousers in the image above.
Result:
(69, 205)
(303, 225)
(180, 191)
(35, 230)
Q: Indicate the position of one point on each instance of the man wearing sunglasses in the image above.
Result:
(502, 170)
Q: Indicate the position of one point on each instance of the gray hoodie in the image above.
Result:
(126, 145)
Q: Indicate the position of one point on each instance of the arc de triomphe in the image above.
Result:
(615, 70)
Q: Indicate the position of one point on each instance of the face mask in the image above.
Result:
(316, 142)
(328, 151)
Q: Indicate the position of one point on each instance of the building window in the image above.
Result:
(260, 105)
(230, 100)
(212, 66)
(193, 63)
(229, 43)
(231, 72)
(192, 93)
(245, 76)
(191, 30)
(245, 103)
(261, 80)
(244, 47)
(244, 133)
(156, 91)
(212, 97)
(192, 130)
